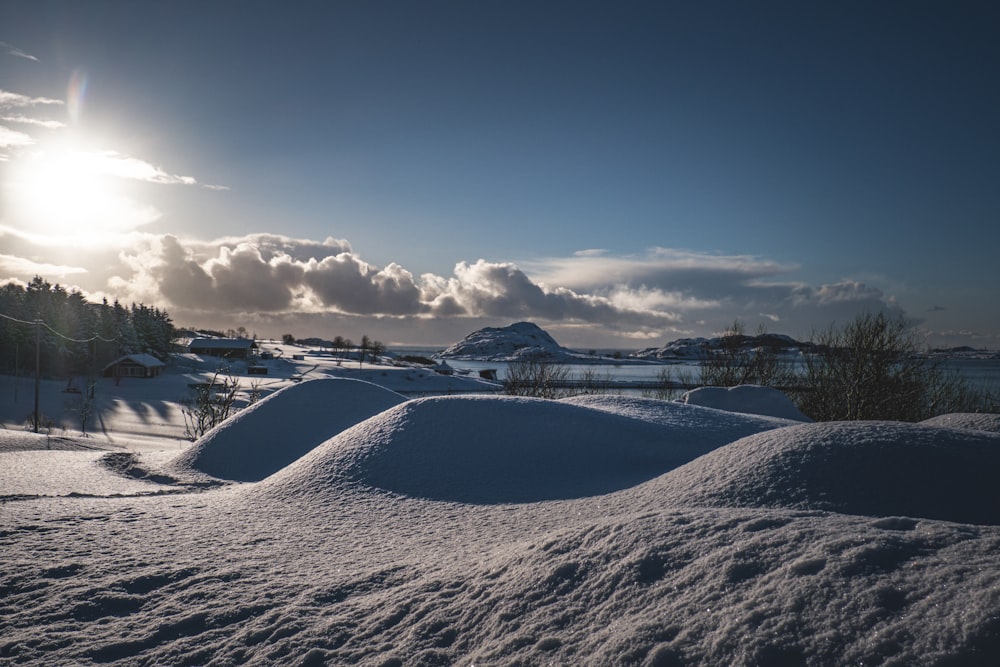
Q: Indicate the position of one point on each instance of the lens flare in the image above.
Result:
(76, 94)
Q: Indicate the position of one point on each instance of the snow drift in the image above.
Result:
(282, 427)
(482, 530)
(973, 420)
(480, 449)
(879, 469)
(749, 398)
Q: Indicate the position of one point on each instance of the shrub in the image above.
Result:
(872, 369)
(530, 376)
(212, 404)
(742, 359)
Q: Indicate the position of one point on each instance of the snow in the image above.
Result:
(478, 529)
(749, 398)
(978, 421)
(519, 341)
(255, 443)
(876, 469)
(505, 343)
(476, 449)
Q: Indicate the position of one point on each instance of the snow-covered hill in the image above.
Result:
(518, 341)
(693, 349)
(507, 343)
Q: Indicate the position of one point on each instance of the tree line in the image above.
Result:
(368, 348)
(76, 337)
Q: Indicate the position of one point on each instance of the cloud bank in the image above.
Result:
(662, 294)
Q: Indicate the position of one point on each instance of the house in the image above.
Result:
(134, 366)
(442, 368)
(232, 348)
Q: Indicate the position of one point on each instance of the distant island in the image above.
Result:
(527, 340)
(523, 340)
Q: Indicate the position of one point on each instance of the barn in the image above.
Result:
(231, 348)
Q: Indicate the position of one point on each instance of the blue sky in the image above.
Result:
(623, 174)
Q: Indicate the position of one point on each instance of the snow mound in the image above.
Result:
(880, 469)
(485, 449)
(749, 398)
(975, 420)
(693, 423)
(279, 429)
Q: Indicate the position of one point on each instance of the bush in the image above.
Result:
(872, 368)
(670, 385)
(212, 404)
(742, 359)
(530, 376)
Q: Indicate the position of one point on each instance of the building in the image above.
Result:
(134, 366)
(232, 348)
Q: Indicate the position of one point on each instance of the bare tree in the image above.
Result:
(363, 349)
(377, 348)
(742, 359)
(212, 404)
(84, 408)
(592, 382)
(338, 345)
(873, 368)
(530, 376)
(670, 384)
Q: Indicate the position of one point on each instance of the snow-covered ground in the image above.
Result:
(148, 412)
(337, 522)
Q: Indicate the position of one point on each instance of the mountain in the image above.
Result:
(508, 344)
(695, 349)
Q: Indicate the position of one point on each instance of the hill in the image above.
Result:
(695, 349)
(519, 341)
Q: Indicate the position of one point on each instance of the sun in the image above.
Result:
(62, 194)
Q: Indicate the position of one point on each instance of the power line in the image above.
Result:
(63, 336)
(38, 324)
(74, 340)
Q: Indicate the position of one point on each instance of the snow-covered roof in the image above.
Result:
(222, 343)
(147, 360)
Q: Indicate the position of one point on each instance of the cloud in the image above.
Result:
(112, 163)
(9, 138)
(9, 100)
(283, 279)
(24, 120)
(277, 274)
(12, 50)
(657, 268)
(21, 266)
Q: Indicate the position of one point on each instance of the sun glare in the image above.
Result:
(61, 196)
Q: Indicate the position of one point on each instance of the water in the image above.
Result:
(981, 374)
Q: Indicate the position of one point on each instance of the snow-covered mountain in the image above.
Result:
(510, 343)
(699, 348)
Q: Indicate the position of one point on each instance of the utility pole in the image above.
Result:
(38, 366)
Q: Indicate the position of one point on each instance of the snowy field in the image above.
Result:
(338, 521)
